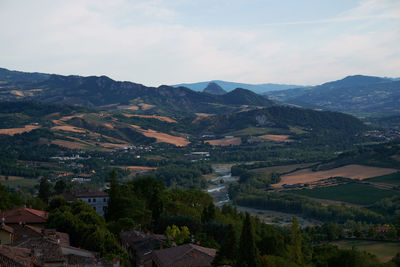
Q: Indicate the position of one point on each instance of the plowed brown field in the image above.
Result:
(225, 141)
(352, 171)
(12, 131)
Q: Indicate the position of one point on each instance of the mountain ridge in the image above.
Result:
(229, 86)
(104, 92)
(356, 94)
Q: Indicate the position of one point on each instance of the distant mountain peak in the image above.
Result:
(355, 80)
(214, 89)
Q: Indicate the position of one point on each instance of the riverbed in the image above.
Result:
(218, 190)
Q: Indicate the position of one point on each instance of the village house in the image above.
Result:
(25, 232)
(6, 234)
(53, 253)
(97, 199)
(17, 257)
(184, 255)
(139, 246)
(26, 216)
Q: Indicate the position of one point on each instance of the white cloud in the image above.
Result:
(140, 41)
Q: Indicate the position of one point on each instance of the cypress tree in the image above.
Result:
(44, 190)
(248, 254)
(113, 196)
(228, 252)
(296, 254)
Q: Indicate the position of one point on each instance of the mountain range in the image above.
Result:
(229, 86)
(105, 93)
(358, 95)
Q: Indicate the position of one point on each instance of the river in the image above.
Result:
(218, 190)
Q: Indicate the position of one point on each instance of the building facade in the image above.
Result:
(98, 200)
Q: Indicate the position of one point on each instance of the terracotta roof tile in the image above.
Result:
(24, 215)
(6, 228)
(44, 249)
(18, 255)
(185, 255)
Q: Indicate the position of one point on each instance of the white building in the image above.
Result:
(98, 200)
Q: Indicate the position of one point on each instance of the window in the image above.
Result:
(94, 200)
(104, 200)
(89, 200)
(94, 208)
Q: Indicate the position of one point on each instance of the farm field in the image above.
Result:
(356, 193)
(352, 171)
(283, 168)
(160, 118)
(393, 178)
(68, 128)
(276, 137)
(255, 131)
(17, 181)
(165, 138)
(13, 131)
(225, 141)
(385, 251)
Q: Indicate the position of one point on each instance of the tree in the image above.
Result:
(156, 206)
(60, 187)
(295, 251)
(208, 213)
(248, 254)
(179, 235)
(229, 247)
(113, 193)
(44, 190)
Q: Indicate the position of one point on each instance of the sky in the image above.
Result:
(156, 42)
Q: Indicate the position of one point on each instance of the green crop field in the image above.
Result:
(393, 178)
(355, 193)
(16, 181)
(385, 251)
(258, 131)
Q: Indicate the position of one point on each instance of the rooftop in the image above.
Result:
(94, 193)
(24, 215)
(185, 255)
(18, 255)
(6, 228)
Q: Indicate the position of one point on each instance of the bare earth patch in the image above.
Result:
(144, 106)
(12, 131)
(133, 108)
(109, 125)
(161, 118)
(66, 118)
(352, 171)
(17, 93)
(68, 128)
(165, 138)
(225, 141)
(276, 137)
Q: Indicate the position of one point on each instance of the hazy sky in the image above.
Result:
(173, 41)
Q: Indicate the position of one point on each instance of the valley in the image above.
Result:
(213, 157)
